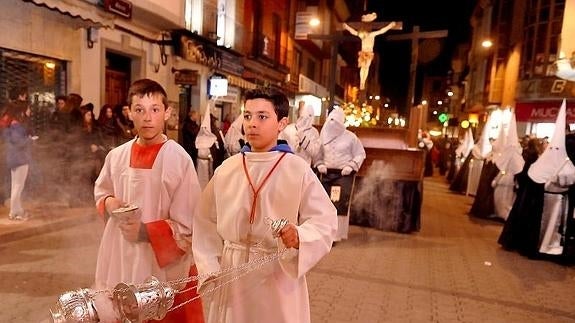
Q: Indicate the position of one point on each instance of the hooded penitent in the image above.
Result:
(553, 164)
(305, 119)
(204, 141)
(465, 147)
(554, 169)
(333, 126)
(508, 159)
(234, 136)
(480, 152)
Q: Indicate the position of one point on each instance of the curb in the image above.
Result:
(43, 225)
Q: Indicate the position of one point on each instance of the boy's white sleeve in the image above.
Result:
(207, 245)
(317, 227)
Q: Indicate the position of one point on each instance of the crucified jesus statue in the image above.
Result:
(367, 36)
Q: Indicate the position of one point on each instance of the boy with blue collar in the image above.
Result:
(266, 182)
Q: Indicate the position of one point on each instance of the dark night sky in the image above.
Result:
(452, 15)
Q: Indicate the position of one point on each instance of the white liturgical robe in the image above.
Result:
(276, 291)
(162, 197)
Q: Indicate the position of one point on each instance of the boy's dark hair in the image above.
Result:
(147, 87)
(277, 98)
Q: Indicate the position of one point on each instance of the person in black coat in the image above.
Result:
(190, 129)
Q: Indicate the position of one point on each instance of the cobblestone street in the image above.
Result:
(453, 270)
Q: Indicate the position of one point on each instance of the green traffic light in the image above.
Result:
(443, 117)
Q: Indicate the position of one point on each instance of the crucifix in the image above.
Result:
(366, 32)
(415, 36)
(339, 37)
(335, 39)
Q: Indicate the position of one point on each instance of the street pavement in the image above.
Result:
(452, 270)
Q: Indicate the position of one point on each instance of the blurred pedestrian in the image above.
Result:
(190, 129)
(18, 155)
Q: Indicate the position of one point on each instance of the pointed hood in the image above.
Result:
(234, 135)
(465, 147)
(206, 138)
(333, 126)
(237, 124)
(554, 160)
(305, 119)
(507, 151)
(483, 147)
(501, 140)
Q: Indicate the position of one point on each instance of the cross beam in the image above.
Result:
(415, 36)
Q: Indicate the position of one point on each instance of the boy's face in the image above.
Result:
(149, 115)
(261, 124)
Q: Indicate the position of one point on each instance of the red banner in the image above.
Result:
(543, 111)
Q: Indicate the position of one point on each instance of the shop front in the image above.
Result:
(537, 104)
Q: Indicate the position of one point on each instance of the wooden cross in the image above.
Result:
(415, 36)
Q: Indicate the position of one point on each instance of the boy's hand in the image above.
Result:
(130, 229)
(112, 203)
(322, 169)
(289, 236)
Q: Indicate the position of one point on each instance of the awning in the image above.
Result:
(79, 9)
(240, 82)
(543, 111)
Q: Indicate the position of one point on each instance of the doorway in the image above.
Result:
(118, 71)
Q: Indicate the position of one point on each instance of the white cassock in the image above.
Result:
(277, 291)
(166, 195)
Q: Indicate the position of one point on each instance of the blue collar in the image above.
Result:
(281, 146)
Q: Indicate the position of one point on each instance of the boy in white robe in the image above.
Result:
(264, 183)
(158, 176)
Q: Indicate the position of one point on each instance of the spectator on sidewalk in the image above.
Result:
(18, 155)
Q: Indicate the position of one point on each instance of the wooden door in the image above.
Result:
(117, 84)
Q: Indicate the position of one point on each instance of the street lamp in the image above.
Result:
(487, 43)
(314, 22)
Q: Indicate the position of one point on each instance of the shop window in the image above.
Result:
(43, 77)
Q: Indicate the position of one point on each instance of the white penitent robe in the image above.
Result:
(276, 291)
(166, 195)
(304, 142)
(503, 194)
(475, 168)
(554, 215)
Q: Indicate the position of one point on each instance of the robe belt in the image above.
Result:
(256, 248)
(204, 158)
(558, 193)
